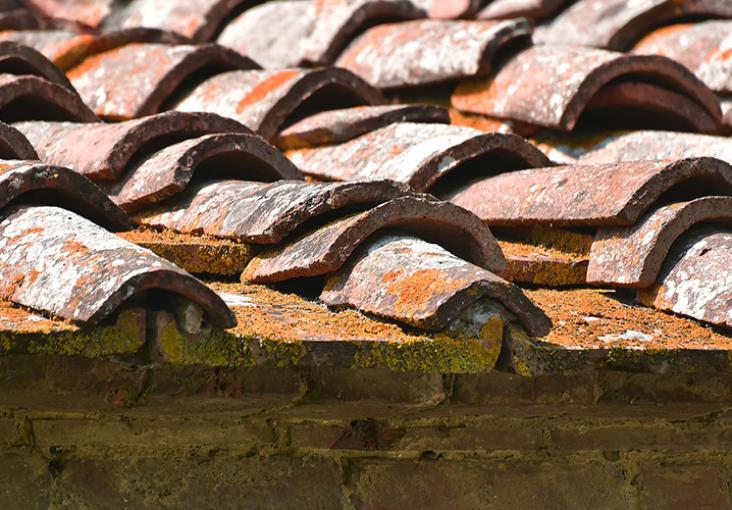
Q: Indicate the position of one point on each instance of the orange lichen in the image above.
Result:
(261, 90)
(598, 319)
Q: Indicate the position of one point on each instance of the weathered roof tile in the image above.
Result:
(104, 151)
(67, 48)
(327, 248)
(198, 20)
(696, 279)
(136, 79)
(423, 285)
(705, 48)
(61, 186)
(658, 145)
(553, 86)
(587, 195)
(418, 154)
(28, 97)
(337, 126)
(263, 213)
(424, 52)
(266, 100)
(168, 171)
(55, 261)
(633, 256)
(617, 24)
(307, 32)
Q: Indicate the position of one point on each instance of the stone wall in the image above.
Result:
(82, 433)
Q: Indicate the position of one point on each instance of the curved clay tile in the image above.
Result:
(55, 261)
(197, 20)
(67, 49)
(28, 97)
(617, 24)
(266, 100)
(88, 13)
(63, 187)
(23, 60)
(168, 171)
(307, 32)
(657, 145)
(705, 48)
(136, 79)
(633, 256)
(418, 154)
(103, 151)
(695, 280)
(534, 9)
(424, 52)
(263, 213)
(423, 285)
(588, 195)
(552, 86)
(337, 126)
(14, 145)
(327, 248)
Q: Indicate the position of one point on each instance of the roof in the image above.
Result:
(450, 186)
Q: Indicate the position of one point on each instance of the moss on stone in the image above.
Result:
(215, 348)
(283, 353)
(126, 335)
(445, 355)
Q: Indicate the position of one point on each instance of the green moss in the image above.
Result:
(283, 353)
(126, 335)
(216, 348)
(441, 355)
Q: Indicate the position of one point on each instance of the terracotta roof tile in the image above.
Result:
(28, 97)
(55, 261)
(655, 145)
(263, 213)
(695, 280)
(136, 79)
(64, 187)
(307, 32)
(266, 101)
(337, 126)
(168, 171)
(424, 285)
(632, 256)
(198, 20)
(104, 151)
(586, 79)
(587, 195)
(617, 24)
(429, 51)
(418, 154)
(68, 48)
(705, 48)
(327, 248)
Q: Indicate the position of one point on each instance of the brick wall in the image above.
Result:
(80, 433)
